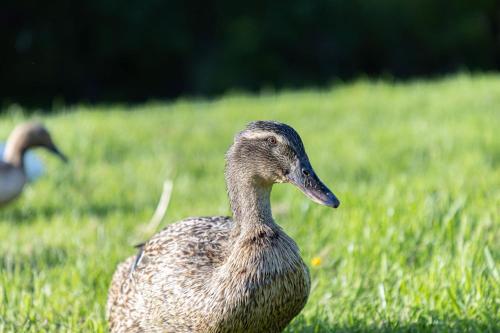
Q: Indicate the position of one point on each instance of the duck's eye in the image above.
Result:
(272, 140)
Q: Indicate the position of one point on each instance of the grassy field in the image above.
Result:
(414, 247)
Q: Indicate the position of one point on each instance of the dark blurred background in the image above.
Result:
(134, 50)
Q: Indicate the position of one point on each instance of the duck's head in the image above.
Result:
(270, 152)
(32, 135)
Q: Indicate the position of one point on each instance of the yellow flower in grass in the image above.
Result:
(316, 261)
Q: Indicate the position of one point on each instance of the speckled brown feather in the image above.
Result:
(216, 274)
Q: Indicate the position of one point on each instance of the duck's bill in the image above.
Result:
(58, 153)
(308, 182)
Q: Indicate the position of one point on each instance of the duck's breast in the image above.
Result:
(12, 181)
(265, 290)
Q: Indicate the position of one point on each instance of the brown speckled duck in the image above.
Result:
(222, 274)
(12, 172)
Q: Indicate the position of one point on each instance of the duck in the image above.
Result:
(225, 274)
(12, 171)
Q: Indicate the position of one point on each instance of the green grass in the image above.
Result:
(414, 247)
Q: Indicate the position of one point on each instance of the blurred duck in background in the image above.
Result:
(13, 175)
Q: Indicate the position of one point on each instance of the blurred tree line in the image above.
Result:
(131, 50)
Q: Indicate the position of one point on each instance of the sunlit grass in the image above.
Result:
(414, 246)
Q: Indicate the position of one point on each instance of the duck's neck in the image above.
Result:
(14, 153)
(250, 203)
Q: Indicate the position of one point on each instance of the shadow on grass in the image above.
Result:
(37, 260)
(23, 215)
(427, 325)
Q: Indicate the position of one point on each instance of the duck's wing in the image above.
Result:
(188, 248)
(199, 242)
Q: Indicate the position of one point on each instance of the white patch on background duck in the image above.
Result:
(32, 164)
